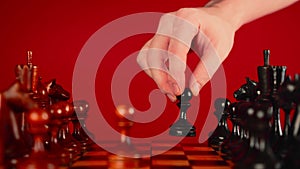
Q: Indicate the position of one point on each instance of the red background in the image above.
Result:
(56, 31)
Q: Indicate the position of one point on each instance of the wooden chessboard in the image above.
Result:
(182, 156)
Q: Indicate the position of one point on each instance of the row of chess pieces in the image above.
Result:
(257, 139)
(35, 121)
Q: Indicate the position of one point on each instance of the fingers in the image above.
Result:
(152, 59)
(199, 78)
(181, 35)
(142, 58)
(208, 65)
(164, 57)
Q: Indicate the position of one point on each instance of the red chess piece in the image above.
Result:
(56, 150)
(38, 158)
(56, 92)
(125, 115)
(15, 102)
(40, 94)
(127, 156)
(65, 138)
(80, 132)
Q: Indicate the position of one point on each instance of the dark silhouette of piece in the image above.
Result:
(260, 154)
(182, 126)
(80, 131)
(221, 133)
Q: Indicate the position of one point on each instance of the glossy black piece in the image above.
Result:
(182, 126)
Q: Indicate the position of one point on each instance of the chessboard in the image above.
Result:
(181, 156)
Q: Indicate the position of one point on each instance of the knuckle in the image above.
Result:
(189, 14)
(139, 59)
(165, 17)
(185, 12)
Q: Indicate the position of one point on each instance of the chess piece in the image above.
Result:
(296, 118)
(286, 103)
(234, 136)
(125, 153)
(260, 154)
(24, 75)
(291, 160)
(65, 138)
(245, 96)
(40, 94)
(247, 92)
(62, 155)
(221, 133)
(270, 79)
(56, 92)
(182, 126)
(38, 158)
(125, 122)
(80, 131)
(277, 79)
(15, 102)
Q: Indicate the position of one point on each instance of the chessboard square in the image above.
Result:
(169, 163)
(91, 158)
(169, 157)
(197, 148)
(193, 144)
(166, 148)
(96, 153)
(211, 167)
(204, 157)
(208, 163)
(167, 152)
(157, 152)
(201, 153)
(129, 163)
(90, 163)
(89, 167)
(165, 145)
(170, 167)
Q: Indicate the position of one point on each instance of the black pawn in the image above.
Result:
(222, 132)
(182, 127)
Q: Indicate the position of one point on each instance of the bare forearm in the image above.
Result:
(240, 12)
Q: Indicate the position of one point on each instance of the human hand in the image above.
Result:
(164, 56)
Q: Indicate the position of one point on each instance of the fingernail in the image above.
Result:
(171, 97)
(195, 89)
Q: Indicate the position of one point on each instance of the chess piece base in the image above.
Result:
(182, 128)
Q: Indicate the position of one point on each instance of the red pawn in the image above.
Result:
(38, 159)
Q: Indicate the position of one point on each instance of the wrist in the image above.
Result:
(240, 12)
(227, 11)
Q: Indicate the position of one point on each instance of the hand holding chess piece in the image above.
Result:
(182, 127)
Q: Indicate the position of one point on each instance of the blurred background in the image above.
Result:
(56, 31)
